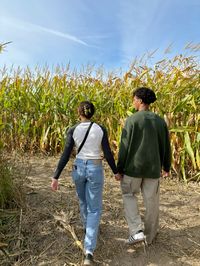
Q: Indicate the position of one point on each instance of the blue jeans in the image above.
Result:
(89, 178)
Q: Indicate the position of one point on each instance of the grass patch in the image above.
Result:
(11, 185)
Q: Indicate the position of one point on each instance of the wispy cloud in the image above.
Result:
(98, 37)
(60, 34)
(24, 25)
(137, 26)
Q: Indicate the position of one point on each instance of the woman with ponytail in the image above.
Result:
(89, 139)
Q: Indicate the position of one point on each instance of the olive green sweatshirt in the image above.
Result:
(145, 146)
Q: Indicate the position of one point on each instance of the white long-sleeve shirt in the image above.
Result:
(92, 147)
(96, 141)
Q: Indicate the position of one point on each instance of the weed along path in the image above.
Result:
(51, 232)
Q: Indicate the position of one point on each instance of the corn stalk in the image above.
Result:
(37, 107)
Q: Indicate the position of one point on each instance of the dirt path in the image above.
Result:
(52, 234)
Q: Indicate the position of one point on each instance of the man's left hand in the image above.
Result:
(118, 177)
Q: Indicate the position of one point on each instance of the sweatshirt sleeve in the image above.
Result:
(123, 147)
(167, 153)
(107, 151)
(66, 153)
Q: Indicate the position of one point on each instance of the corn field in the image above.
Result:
(38, 106)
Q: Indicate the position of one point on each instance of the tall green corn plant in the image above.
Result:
(38, 107)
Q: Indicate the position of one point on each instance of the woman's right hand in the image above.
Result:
(54, 184)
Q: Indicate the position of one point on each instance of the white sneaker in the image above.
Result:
(137, 237)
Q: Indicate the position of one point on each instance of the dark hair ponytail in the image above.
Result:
(86, 109)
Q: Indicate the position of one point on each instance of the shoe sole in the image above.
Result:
(88, 264)
(136, 241)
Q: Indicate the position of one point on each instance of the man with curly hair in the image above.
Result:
(143, 154)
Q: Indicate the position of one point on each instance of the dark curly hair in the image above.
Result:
(86, 109)
(145, 94)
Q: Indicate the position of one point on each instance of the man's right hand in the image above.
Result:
(165, 174)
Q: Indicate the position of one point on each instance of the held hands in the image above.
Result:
(118, 177)
(54, 184)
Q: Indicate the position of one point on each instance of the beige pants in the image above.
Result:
(149, 187)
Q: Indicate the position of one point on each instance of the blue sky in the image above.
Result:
(108, 33)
